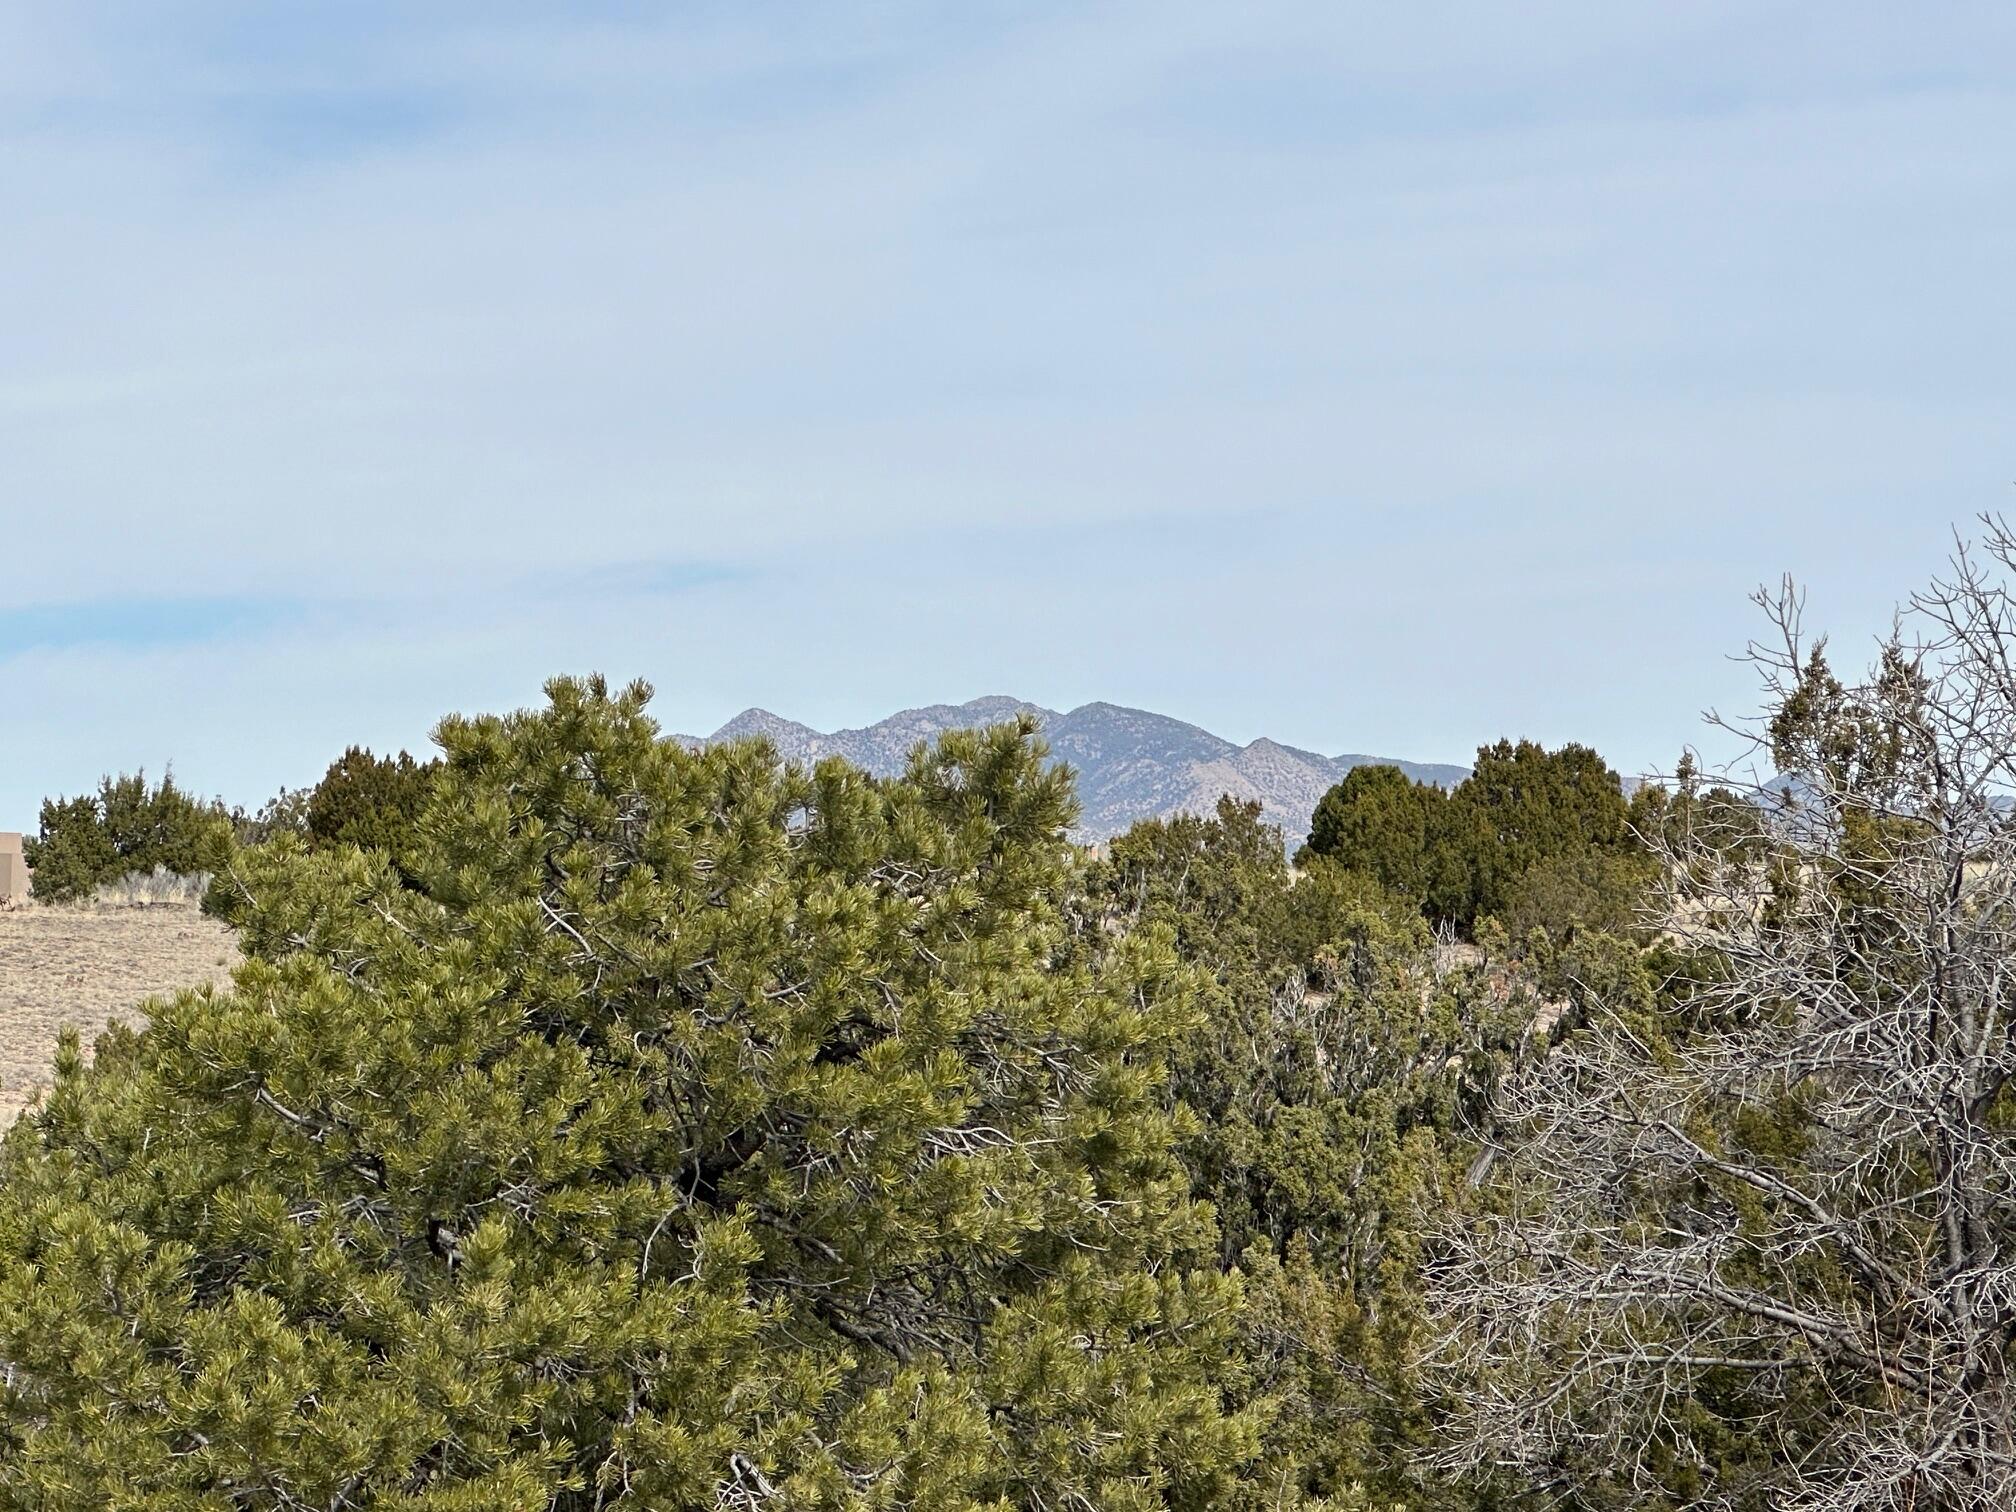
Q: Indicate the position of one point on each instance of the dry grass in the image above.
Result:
(88, 966)
(155, 888)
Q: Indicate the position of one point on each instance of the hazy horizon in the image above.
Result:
(1371, 380)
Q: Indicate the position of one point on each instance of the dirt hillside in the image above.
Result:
(89, 966)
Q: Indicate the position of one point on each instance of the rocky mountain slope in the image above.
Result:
(1131, 764)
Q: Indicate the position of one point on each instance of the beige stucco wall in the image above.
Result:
(13, 869)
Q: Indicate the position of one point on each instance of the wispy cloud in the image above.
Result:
(140, 622)
(642, 579)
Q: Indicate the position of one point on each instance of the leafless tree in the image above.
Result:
(1782, 1214)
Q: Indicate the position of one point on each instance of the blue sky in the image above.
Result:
(1373, 377)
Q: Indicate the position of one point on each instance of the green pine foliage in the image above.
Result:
(128, 825)
(686, 1131)
(1335, 1077)
(363, 802)
(602, 1124)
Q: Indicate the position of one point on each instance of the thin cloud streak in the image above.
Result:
(126, 622)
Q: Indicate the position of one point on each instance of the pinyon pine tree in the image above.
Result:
(686, 1131)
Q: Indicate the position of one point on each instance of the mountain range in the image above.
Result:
(1131, 764)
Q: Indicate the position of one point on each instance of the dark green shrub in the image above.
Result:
(1468, 854)
(73, 852)
(1381, 823)
(130, 825)
(1566, 896)
(368, 801)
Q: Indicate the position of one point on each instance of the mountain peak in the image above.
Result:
(774, 727)
(1131, 764)
(997, 708)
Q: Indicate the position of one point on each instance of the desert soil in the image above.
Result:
(89, 967)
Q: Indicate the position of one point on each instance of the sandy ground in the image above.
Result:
(89, 966)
